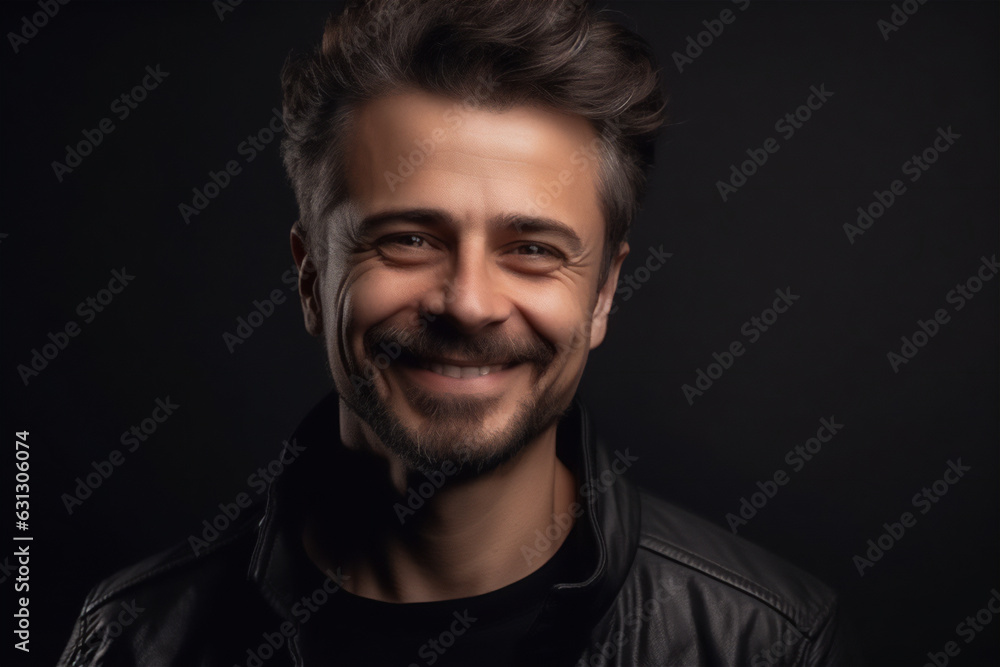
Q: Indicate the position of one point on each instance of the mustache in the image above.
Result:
(486, 349)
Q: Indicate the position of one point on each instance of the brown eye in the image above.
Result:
(408, 240)
(534, 258)
(403, 243)
(535, 250)
(408, 249)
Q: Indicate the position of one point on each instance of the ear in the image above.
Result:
(308, 282)
(606, 294)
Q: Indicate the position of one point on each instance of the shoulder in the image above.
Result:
(727, 592)
(126, 615)
(709, 553)
(184, 559)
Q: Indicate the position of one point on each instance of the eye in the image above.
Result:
(407, 248)
(407, 240)
(534, 250)
(534, 258)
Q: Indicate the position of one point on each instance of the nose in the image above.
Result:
(470, 294)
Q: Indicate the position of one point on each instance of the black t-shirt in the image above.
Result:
(481, 631)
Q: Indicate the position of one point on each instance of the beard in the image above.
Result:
(453, 429)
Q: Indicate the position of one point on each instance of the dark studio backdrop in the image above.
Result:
(889, 331)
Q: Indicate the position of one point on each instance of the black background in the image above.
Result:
(825, 357)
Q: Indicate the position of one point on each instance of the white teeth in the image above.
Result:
(460, 372)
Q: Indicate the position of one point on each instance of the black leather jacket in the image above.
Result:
(665, 587)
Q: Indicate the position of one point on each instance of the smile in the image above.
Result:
(449, 370)
(452, 375)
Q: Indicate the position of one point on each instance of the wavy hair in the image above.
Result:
(499, 53)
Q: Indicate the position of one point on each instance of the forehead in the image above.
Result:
(420, 150)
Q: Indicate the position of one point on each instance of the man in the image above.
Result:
(466, 173)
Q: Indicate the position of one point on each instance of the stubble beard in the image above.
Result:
(453, 425)
(453, 429)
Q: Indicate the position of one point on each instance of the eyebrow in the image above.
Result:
(504, 221)
(532, 223)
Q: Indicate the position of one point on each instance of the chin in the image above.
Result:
(431, 429)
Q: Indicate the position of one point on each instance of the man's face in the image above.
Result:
(461, 300)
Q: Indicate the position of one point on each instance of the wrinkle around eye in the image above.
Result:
(399, 248)
(532, 264)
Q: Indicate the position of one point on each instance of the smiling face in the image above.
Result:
(460, 298)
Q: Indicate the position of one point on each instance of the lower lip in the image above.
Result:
(444, 383)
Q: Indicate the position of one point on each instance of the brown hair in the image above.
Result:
(494, 53)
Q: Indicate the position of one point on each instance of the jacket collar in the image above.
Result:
(609, 521)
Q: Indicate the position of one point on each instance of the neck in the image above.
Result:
(465, 540)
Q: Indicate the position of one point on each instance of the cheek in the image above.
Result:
(560, 318)
(374, 296)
